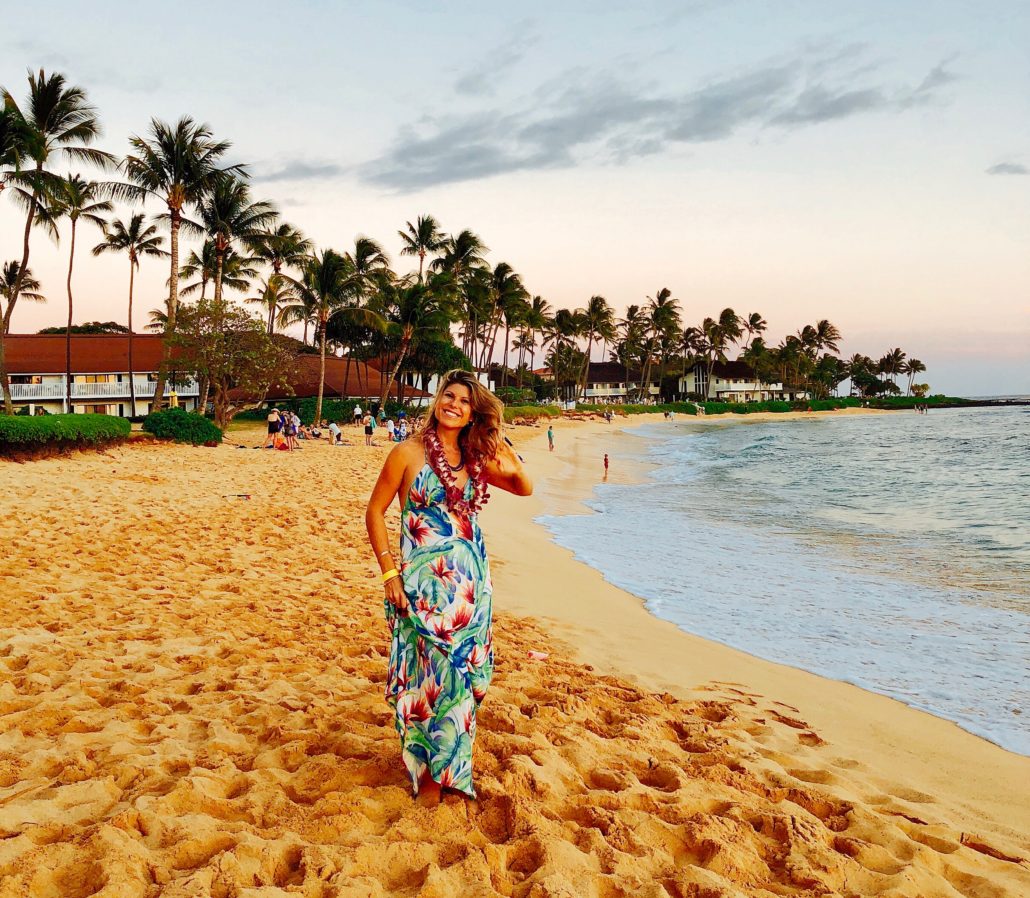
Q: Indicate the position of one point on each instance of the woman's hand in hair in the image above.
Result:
(506, 472)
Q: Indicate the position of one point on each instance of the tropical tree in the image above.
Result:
(230, 349)
(280, 246)
(229, 214)
(912, 367)
(237, 271)
(10, 145)
(176, 165)
(136, 239)
(57, 122)
(598, 324)
(414, 310)
(75, 199)
(328, 286)
(755, 325)
(662, 322)
(423, 238)
(274, 294)
(508, 299)
(891, 364)
(30, 287)
(537, 315)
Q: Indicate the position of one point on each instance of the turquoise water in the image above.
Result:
(888, 551)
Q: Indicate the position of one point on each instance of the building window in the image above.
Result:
(26, 379)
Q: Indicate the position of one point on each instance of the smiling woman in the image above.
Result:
(439, 603)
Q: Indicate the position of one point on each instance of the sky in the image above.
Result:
(867, 162)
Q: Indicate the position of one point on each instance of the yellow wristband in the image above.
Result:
(390, 574)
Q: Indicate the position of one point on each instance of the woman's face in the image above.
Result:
(454, 410)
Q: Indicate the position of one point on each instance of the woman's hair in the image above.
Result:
(482, 435)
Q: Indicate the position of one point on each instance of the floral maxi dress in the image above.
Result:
(441, 653)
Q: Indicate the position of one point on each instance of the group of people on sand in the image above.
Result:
(285, 429)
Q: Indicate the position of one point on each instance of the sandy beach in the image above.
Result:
(192, 659)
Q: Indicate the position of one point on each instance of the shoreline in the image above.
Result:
(973, 780)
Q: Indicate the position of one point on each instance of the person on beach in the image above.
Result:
(550, 438)
(369, 423)
(606, 466)
(335, 434)
(274, 425)
(438, 600)
(357, 413)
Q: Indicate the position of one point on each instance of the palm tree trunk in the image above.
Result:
(68, 330)
(586, 367)
(405, 342)
(504, 355)
(8, 404)
(5, 381)
(132, 382)
(173, 308)
(305, 331)
(321, 374)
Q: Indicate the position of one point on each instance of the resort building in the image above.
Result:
(37, 365)
(734, 382)
(610, 382)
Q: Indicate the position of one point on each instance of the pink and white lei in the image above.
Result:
(456, 501)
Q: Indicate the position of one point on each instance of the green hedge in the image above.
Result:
(182, 426)
(511, 412)
(60, 432)
(907, 402)
(632, 408)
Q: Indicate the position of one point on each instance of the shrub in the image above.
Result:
(632, 408)
(530, 412)
(515, 395)
(59, 433)
(181, 426)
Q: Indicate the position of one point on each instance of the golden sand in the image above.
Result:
(190, 705)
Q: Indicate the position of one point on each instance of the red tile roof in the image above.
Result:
(361, 380)
(109, 354)
(91, 353)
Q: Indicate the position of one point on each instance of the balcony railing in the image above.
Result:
(54, 392)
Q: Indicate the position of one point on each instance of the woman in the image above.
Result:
(438, 599)
(370, 426)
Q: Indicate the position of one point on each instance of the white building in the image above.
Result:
(734, 382)
(37, 365)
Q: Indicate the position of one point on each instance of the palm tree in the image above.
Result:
(137, 240)
(274, 293)
(891, 363)
(463, 259)
(29, 285)
(58, 121)
(507, 294)
(229, 214)
(10, 145)
(176, 165)
(662, 322)
(422, 239)
(301, 309)
(75, 198)
(912, 367)
(755, 325)
(598, 324)
(279, 246)
(327, 283)
(237, 271)
(537, 316)
(412, 310)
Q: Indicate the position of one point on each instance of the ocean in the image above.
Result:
(888, 551)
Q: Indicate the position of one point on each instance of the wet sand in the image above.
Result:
(190, 705)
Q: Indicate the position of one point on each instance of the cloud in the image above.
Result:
(300, 170)
(582, 115)
(482, 78)
(1008, 168)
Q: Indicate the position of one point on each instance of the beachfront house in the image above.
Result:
(734, 382)
(610, 382)
(37, 366)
